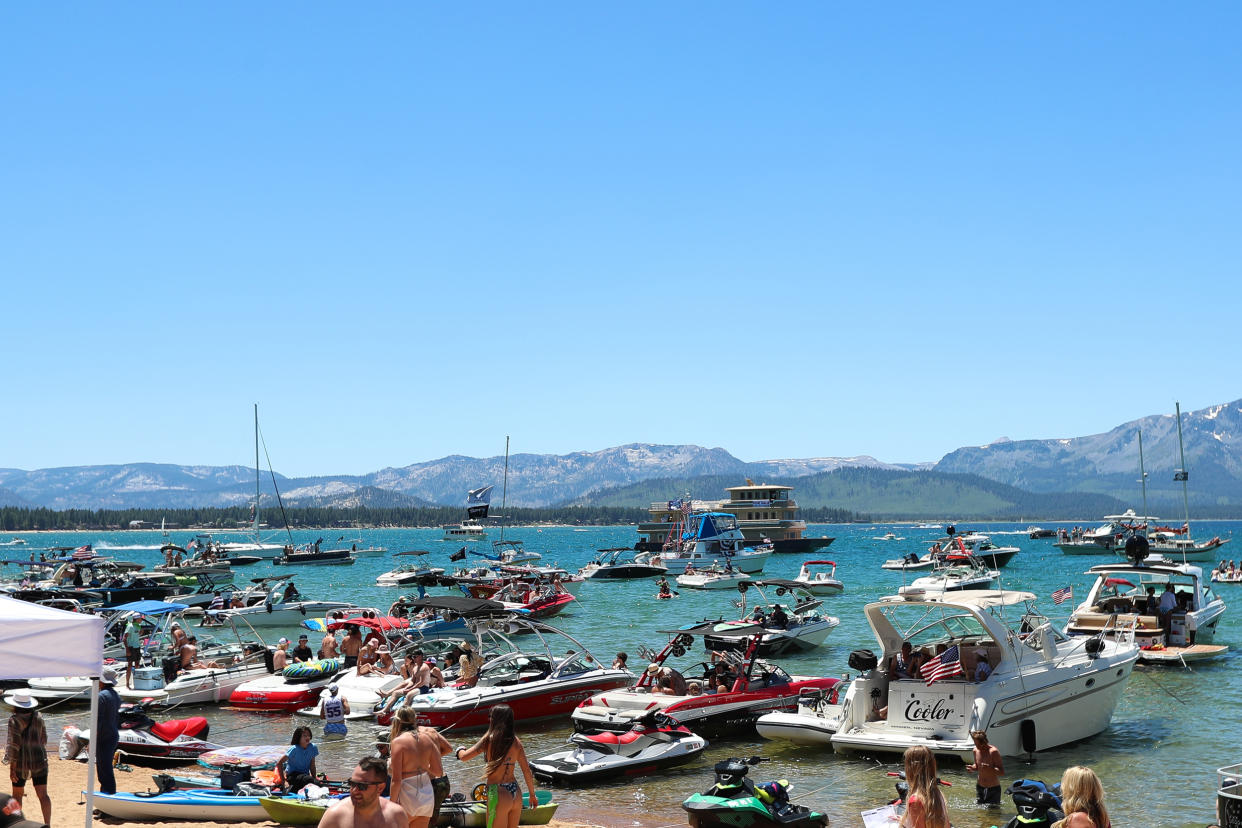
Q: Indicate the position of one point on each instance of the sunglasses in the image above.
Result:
(355, 785)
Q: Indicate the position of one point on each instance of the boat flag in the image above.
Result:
(83, 553)
(942, 666)
(459, 555)
(477, 502)
(1062, 595)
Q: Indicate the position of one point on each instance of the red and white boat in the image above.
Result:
(757, 687)
(298, 686)
(533, 603)
(536, 685)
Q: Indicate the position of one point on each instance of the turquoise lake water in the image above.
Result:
(1173, 728)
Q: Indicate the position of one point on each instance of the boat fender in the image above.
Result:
(267, 605)
(1027, 731)
(302, 608)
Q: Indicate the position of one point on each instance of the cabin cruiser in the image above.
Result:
(468, 530)
(712, 537)
(1117, 606)
(1045, 690)
(1112, 534)
(615, 564)
(819, 581)
(796, 624)
(754, 687)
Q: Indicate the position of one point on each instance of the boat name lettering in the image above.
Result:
(919, 710)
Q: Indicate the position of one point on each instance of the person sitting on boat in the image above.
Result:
(189, 657)
(780, 620)
(982, 668)
(689, 568)
(302, 652)
(280, 658)
(905, 664)
(664, 687)
(368, 656)
(435, 676)
(759, 617)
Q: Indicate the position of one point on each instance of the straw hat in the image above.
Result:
(24, 700)
(467, 646)
(652, 669)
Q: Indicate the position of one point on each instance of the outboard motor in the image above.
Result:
(1038, 804)
(862, 661)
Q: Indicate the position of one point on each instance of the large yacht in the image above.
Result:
(763, 513)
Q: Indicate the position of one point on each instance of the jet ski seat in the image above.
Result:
(170, 730)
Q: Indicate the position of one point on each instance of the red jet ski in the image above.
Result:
(148, 742)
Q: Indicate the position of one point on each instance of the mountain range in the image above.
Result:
(1104, 465)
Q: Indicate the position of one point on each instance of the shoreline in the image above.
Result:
(66, 780)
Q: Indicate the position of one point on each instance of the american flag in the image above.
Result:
(942, 666)
(1062, 595)
(83, 553)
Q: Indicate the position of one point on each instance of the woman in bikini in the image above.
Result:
(503, 750)
(925, 807)
(1083, 800)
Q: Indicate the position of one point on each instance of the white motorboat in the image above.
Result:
(467, 530)
(361, 691)
(714, 537)
(410, 574)
(819, 581)
(1110, 535)
(513, 552)
(795, 625)
(281, 606)
(1045, 689)
(713, 577)
(1117, 605)
(815, 721)
(950, 577)
(912, 562)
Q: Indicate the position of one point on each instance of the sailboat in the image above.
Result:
(256, 545)
(478, 501)
(1176, 542)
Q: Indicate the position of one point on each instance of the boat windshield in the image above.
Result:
(929, 624)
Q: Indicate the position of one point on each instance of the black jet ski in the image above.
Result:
(1038, 805)
(655, 741)
(736, 802)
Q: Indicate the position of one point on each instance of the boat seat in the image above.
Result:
(173, 728)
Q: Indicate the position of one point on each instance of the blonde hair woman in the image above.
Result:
(925, 807)
(1082, 799)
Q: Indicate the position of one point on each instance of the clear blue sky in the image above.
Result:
(808, 229)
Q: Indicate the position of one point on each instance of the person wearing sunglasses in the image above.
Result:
(365, 808)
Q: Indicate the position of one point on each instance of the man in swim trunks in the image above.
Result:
(351, 646)
(418, 780)
(328, 648)
(365, 807)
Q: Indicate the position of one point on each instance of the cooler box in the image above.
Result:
(148, 678)
(1177, 630)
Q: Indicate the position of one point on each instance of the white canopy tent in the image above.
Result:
(38, 641)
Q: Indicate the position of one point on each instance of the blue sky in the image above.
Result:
(804, 230)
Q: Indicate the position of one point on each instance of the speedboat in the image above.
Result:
(798, 626)
(912, 562)
(537, 685)
(653, 743)
(297, 686)
(512, 552)
(951, 576)
(615, 564)
(713, 577)
(758, 687)
(280, 605)
(819, 581)
(312, 555)
(815, 721)
(1116, 607)
(713, 537)
(1045, 690)
(361, 691)
(410, 574)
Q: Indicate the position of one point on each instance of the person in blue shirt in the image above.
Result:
(109, 730)
(296, 769)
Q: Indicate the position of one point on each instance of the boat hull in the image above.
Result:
(471, 709)
(193, 805)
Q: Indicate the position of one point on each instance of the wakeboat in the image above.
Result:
(1117, 606)
(1110, 535)
(714, 576)
(796, 624)
(755, 687)
(512, 552)
(410, 575)
(616, 564)
(819, 581)
(281, 605)
(949, 576)
(1045, 690)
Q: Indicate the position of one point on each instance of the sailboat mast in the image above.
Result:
(504, 491)
(256, 472)
(1181, 474)
(1143, 481)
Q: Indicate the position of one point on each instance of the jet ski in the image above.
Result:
(148, 742)
(656, 741)
(734, 801)
(1038, 805)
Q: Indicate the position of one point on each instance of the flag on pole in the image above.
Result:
(943, 666)
(1062, 595)
(83, 553)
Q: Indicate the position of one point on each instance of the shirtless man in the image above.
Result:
(418, 781)
(990, 768)
(189, 657)
(351, 646)
(328, 647)
(365, 808)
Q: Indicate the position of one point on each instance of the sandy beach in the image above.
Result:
(67, 780)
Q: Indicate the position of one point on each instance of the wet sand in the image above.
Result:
(66, 781)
